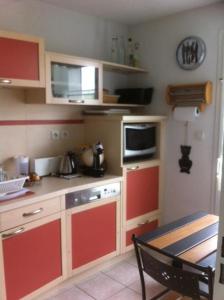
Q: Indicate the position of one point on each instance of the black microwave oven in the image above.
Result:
(139, 141)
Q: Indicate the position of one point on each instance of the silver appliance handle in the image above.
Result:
(139, 126)
(96, 197)
(133, 168)
(143, 223)
(6, 81)
(76, 101)
(13, 233)
(32, 213)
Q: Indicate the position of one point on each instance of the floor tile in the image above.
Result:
(132, 260)
(126, 294)
(152, 287)
(101, 286)
(73, 294)
(123, 272)
(61, 288)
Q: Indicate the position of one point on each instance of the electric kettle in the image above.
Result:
(69, 164)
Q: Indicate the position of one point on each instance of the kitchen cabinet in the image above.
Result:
(142, 186)
(43, 241)
(32, 253)
(93, 233)
(141, 228)
(72, 80)
(143, 177)
(141, 206)
(21, 60)
(117, 76)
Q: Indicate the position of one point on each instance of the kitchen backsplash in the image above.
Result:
(26, 129)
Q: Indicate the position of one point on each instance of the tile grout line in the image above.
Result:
(103, 273)
(91, 296)
(123, 286)
(115, 293)
(118, 280)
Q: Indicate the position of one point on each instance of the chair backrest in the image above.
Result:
(187, 283)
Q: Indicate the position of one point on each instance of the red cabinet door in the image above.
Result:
(32, 259)
(19, 59)
(140, 230)
(93, 234)
(142, 191)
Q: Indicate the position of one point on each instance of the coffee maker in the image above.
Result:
(69, 164)
(93, 158)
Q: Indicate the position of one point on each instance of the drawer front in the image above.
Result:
(140, 230)
(29, 213)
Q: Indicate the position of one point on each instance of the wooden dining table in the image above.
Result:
(192, 238)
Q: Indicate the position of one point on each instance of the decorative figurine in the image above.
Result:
(185, 163)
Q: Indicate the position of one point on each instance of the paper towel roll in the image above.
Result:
(186, 114)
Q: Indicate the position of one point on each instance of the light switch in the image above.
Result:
(199, 135)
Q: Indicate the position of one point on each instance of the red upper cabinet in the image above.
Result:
(21, 60)
(142, 191)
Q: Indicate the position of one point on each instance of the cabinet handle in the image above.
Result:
(32, 213)
(10, 234)
(143, 223)
(133, 168)
(76, 101)
(7, 81)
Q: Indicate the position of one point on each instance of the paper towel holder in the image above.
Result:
(197, 94)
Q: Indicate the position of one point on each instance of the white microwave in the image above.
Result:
(139, 141)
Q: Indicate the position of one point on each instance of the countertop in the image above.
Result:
(50, 187)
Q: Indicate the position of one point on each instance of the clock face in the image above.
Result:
(191, 53)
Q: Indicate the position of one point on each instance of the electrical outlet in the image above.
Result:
(55, 134)
(64, 134)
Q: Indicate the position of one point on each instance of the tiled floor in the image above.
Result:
(119, 282)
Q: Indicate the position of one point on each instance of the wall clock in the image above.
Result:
(191, 53)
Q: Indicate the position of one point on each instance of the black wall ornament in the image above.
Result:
(191, 53)
(185, 163)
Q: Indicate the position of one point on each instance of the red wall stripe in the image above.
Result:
(39, 122)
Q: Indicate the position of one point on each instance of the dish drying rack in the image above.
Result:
(12, 185)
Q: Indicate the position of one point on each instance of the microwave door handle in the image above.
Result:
(139, 127)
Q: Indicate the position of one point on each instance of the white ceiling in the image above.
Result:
(129, 11)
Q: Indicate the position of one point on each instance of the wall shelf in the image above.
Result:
(114, 67)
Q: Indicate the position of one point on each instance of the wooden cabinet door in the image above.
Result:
(32, 259)
(93, 234)
(142, 191)
(21, 60)
(72, 80)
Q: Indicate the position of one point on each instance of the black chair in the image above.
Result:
(177, 275)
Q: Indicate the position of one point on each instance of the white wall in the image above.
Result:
(159, 39)
(64, 31)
